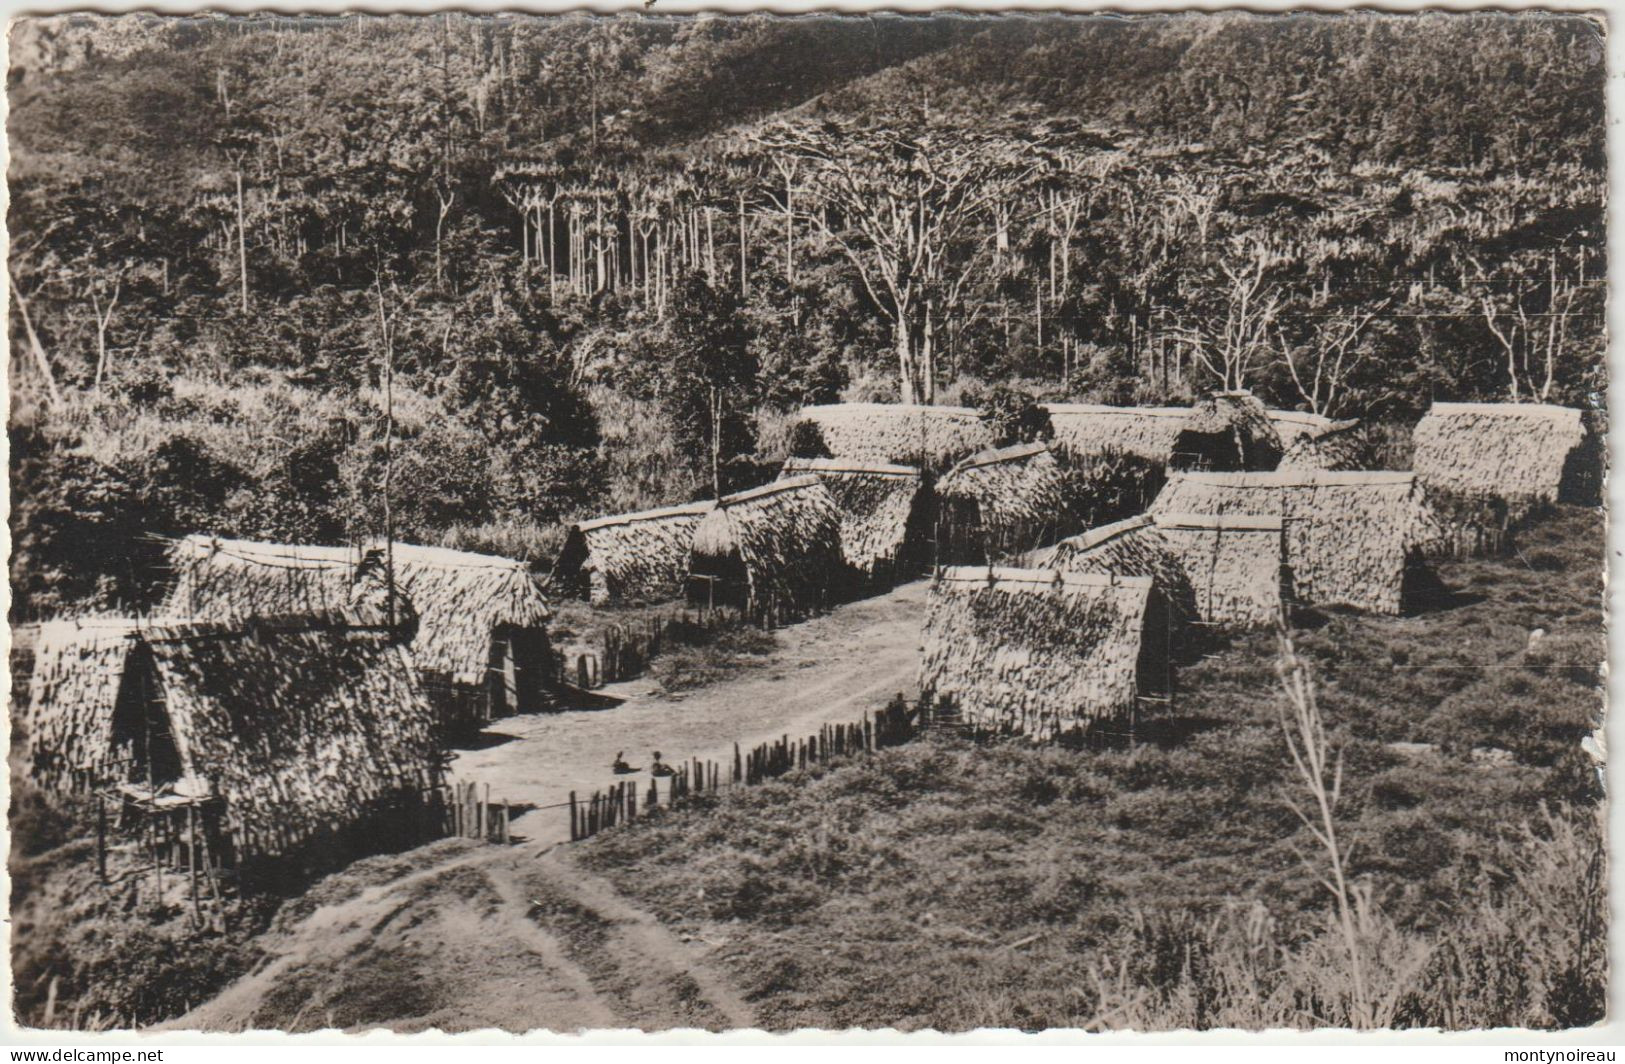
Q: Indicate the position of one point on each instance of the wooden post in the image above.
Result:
(504, 822)
(191, 861)
(101, 838)
(485, 815)
(575, 828)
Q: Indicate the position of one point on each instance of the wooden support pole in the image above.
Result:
(191, 861)
(575, 827)
(101, 838)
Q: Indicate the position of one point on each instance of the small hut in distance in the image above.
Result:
(1001, 503)
(1227, 432)
(773, 552)
(1525, 454)
(639, 556)
(885, 516)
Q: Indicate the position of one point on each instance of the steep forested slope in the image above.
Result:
(223, 230)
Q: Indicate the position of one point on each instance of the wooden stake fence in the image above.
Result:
(894, 725)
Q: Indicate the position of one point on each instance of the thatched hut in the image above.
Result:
(1293, 425)
(481, 639)
(930, 437)
(638, 556)
(1035, 651)
(1001, 503)
(1523, 453)
(885, 515)
(297, 726)
(1209, 569)
(1148, 432)
(482, 629)
(1227, 432)
(1351, 538)
(1334, 446)
(773, 552)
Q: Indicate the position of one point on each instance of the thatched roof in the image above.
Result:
(1002, 502)
(1521, 452)
(1033, 650)
(1333, 446)
(1146, 431)
(641, 555)
(880, 507)
(1294, 425)
(1351, 537)
(777, 548)
(1227, 431)
(1232, 562)
(218, 579)
(1209, 568)
(459, 598)
(933, 437)
(300, 724)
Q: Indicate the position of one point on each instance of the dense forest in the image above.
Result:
(570, 265)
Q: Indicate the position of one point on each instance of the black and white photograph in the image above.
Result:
(914, 522)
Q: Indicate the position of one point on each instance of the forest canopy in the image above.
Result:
(225, 229)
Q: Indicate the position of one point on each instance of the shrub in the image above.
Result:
(1011, 416)
(807, 441)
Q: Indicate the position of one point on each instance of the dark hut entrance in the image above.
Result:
(517, 672)
(144, 748)
(718, 580)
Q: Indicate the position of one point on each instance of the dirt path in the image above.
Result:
(521, 938)
(827, 670)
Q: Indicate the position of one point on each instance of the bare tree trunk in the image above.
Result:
(53, 396)
(716, 443)
(744, 267)
(242, 242)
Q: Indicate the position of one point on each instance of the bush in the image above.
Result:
(1011, 416)
(807, 441)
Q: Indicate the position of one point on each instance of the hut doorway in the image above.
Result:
(143, 742)
(516, 676)
(719, 582)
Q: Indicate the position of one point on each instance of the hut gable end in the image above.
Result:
(1525, 453)
(1350, 538)
(773, 551)
(1034, 651)
(636, 556)
(883, 511)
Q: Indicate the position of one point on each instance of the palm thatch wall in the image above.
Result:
(1524, 453)
(639, 556)
(1293, 425)
(300, 724)
(1352, 538)
(1233, 564)
(62, 720)
(1148, 432)
(1227, 432)
(1034, 651)
(931, 437)
(885, 513)
(1334, 446)
(773, 552)
(1001, 503)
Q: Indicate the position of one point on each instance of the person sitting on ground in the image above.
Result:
(621, 768)
(660, 768)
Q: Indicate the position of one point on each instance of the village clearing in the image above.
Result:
(830, 669)
(941, 884)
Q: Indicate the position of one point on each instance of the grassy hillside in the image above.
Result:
(1170, 884)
